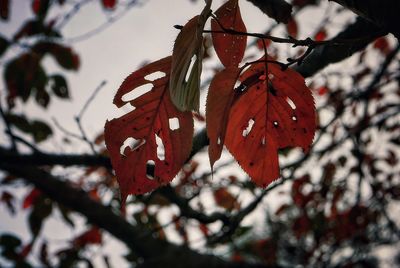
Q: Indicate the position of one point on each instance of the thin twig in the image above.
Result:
(102, 26)
(78, 118)
(25, 142)
(83, 134)
(91, 98)
(64, 130)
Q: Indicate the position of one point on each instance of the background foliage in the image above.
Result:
(336, 206)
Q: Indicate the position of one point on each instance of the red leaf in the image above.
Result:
(230, 48)
(26, 250)
(31, 198)
(219, 101)
(320, 36)
(198, 117)
(261, 42)
(323, 90)
(204, 229)
(4, 9)
(92, 236)
(225, 199)
(292, 28)
(36, 6)
(268, 117)
(382, 45)
(109, 4)
(155, 119)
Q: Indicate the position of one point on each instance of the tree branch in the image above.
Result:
(276, 9)
(383, 13)
(156, 252)
(327, 54)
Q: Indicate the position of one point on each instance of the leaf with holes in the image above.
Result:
(219, 101)
(274, 112)
(149, 145)
(230, 48)
(187, 60)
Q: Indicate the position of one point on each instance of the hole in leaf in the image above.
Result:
(294, 118)
(270, 76)
(291, 103)
(189, 70)
(150, 167)
(219, 141)
(237, 85)
(132, 143)
(160, 148)
(248, 128)
(263, 140)
(154, 76)
(173, 123)
(137, 92)
(276, 124)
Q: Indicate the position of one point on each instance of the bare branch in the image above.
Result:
(383, 13)
(276, 9)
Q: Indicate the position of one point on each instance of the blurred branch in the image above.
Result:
(24, 142)
(110, 21)
(383, 13)
(8, 129)
(156, 252)
(78, 118)
(187, 211)
(276, 9)
(91, 98)
(46, 159)
(327, 54)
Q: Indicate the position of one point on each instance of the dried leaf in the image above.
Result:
(187, 59)
(225, 199)
(91, 236)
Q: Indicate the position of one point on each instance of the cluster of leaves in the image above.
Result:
(313, 224)
(25, 76)
(271, 109)
(40, 208)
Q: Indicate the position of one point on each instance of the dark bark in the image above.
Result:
(276, 9)
(155, 252)
(383, 13)
(324, 55)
